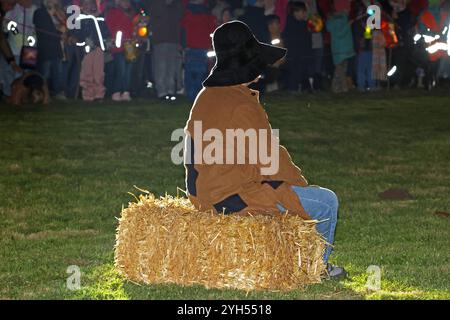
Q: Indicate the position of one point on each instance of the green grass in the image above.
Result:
(65, 171)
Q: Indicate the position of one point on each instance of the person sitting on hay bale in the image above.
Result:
(227, 103)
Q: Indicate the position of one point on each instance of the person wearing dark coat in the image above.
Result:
(255, 18)
(50, 52)
(298, 40)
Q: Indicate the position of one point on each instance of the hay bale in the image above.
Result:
(166, 240)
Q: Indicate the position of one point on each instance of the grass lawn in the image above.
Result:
(66, 170)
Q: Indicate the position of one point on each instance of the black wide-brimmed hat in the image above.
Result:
(240, 57)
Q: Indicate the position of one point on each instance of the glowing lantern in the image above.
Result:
(315, 23)
(142, 31)
(367, 33)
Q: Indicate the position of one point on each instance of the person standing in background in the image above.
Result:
(273, 71)
(363, 47)
(254, 17)
(5, 49)
(218, 9)
(165, 26)
(317, 48)
(119, 20)
(92, 65)
(22, 13)
(226, 16)
(298, 41)
(72, 58)
(198, 25)
(341, 45)
(401, 53)
(50, 53)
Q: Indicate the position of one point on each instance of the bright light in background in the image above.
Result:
(417, 37)
(31, 41)
(211, 54)
(81, 44)
(276, 41)
(118, 39)
(392, 71)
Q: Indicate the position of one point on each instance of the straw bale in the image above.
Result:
(166, 240)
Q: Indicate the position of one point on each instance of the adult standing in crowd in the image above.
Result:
(49, 44)
(298, 41)
(165, 25)
(198, 24)
(120, 25)
(341, 45)
(22, 13)
(7, 59)
(254, 17)
(92, 64)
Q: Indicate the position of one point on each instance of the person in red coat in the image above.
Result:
(198, 24)
(120, 25)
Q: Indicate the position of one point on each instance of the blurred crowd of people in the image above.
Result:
(124, 49)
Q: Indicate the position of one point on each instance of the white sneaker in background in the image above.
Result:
(126, 96)
(116, 97)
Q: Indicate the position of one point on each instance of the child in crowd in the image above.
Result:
(120, 25)
(226, 16)
(363, 47)
(92, 64)
(273, 72)
(218, 10)
(341, 47)
(198, 24)
(298, 41)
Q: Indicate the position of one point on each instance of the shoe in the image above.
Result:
(334, 272)
(116, 97)
(60, 97)
(126, 96)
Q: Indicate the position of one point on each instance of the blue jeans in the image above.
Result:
(52, 69)
(196, 70)
(122, 73)
(364, 77)
(321, 204)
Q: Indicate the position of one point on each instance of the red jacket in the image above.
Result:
(117, 20)
(198, 28)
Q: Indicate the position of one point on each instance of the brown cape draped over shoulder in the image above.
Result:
(237, 188)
